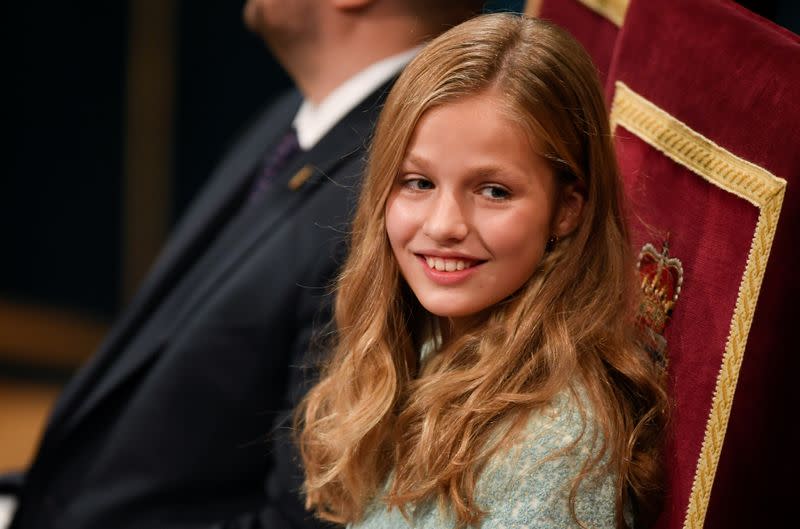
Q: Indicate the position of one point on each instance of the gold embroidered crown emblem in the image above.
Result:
(661, 281)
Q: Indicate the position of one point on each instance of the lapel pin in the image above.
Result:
(300, 177)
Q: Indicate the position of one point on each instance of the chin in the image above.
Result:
(251, 15)
(451, 310)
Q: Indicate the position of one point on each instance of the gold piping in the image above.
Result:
(752, 183)
(613, 10)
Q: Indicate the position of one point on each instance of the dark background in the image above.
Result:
(62, 193)
(68, 129)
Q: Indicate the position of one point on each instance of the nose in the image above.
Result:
(446, 219)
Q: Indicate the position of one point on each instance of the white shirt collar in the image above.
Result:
(312, 122)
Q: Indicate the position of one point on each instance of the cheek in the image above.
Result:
(517, 234)
(401, 222)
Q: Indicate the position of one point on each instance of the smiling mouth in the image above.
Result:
(441, 264)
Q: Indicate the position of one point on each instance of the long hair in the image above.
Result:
(376, 412)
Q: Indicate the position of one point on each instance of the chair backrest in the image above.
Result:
(706, 113)
(594, 23)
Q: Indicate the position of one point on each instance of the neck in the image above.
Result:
(350, 46)
(452, 328)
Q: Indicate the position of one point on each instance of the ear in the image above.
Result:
(351, 5)
(569, 212)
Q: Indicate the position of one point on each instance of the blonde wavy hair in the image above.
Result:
(375, 411)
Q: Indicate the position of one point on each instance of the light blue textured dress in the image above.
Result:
(528, 486)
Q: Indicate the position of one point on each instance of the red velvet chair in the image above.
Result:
(594, 23)
(706, 112)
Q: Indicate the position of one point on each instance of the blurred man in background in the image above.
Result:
(166, 426)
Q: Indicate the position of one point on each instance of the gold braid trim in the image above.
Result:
(613, 10)
(752, 183)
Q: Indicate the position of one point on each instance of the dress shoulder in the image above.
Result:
(529, 485)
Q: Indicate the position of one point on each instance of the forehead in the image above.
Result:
(486, 122)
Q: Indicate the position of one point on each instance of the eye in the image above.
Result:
(495, 192)
(416, 183)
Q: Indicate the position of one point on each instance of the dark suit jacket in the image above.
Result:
(167, 426)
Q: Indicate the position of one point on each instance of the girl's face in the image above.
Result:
(472, 208)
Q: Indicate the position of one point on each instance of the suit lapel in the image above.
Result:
(190, 237)
(212, 209)
(346, 140)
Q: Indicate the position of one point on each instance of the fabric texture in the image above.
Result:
(716, 69)
(596, 33)
(529, 484)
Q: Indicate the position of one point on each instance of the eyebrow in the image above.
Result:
(415, 160)
(489, 171)
(486, 171)
(418, 161)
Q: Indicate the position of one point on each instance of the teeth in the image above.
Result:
(446, 265)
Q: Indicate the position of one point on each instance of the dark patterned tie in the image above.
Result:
(272, 164)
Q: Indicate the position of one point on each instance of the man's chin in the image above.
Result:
(252, 16)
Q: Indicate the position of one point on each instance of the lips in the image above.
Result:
(448, 265)
(448, 269)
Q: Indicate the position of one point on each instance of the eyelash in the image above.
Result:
(491, 188)
(413, 183)
(416, 183)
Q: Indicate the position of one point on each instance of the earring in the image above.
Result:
(551, 243)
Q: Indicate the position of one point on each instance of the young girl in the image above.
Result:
(486, 371)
